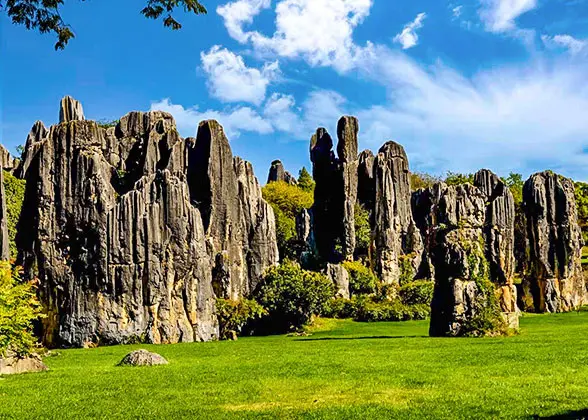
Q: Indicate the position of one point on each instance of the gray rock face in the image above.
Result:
(555, 277)
(468, 237)
(499, 236)
(6, 160)
(35, 140)
(366, 182)
(4, 238)
(142, 358)
(340, 278)
(347, 130)
(398, 241)
(13, 365)
(278, 173)
(336, 190)
(70, 110)
(127, 227)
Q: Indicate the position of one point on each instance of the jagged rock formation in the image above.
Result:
(366, 183)
(36, 138)
(6, 160)
(336, 190)
(4, 239)
(499, 237)
(398, 241)
(278, 173)
(455, 226)
(347, 129)
(468, 233)
(340, 278)
(129, 228)
(70, 110)
(555, 279)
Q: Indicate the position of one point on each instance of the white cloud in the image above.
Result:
(408, 38)
(233, 121)
(573, 45)
(238, 13)
(500, 15)
(230, 80)
(457, 11)
(319, 31)
(279, 109)
(527, 117)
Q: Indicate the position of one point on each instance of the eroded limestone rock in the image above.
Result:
(340, 278)
(398, 241)
(278, 173)
(70, 110)
(555, 277)
(14, 365)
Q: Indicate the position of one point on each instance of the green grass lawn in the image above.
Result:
(343, 370)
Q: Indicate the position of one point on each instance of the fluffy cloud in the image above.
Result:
(230, 80)
(573, 45)
(408, 38)
(319, 31)
(500, 15)
(238, 13)
(280, 110)
(233, 121)
(526, 117)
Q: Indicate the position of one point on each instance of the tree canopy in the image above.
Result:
(44, 15)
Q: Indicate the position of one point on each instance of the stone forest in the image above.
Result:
(134, 232)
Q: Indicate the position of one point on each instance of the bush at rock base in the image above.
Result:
(371, 309)
(419, 292)
(292, 296)
(362, 280)
(233, 315)
(19, 307)
(14, 190)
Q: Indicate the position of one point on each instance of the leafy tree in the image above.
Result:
(19, 307)
(287, 201)
(515, 184)
(362, 280)
(44, 15)
(292, 296)
(20, 150)
(456, 178)
(420, 180)
(305, 181)
(233, 315)
(581, 192)
(363, 230)
(14, 190)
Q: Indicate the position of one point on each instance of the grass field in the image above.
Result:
(342, 370)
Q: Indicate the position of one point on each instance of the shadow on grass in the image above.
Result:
(375, 337)
(570, 415)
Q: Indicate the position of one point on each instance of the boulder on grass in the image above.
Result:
(12, 364)
(142, 358)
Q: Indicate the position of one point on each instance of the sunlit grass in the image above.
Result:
(342, 369)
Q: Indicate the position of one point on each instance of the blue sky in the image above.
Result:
(462, 84)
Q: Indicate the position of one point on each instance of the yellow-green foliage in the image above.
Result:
(418, 292)
(420, 180)
(287, 201)
(362, 280)
(14, 190)
(19, 307)
(581, 193)
(233, 315)
(305, 181)
(363, 230)
(455, 178)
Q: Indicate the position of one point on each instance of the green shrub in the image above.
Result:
(19, 307)
(14, 191)
(370, 310)
(305, 181)
(292, 296)
(287, 202)
(363, 230)
(362, 280)
(233, 315)
(419, 292)
(340, 308)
